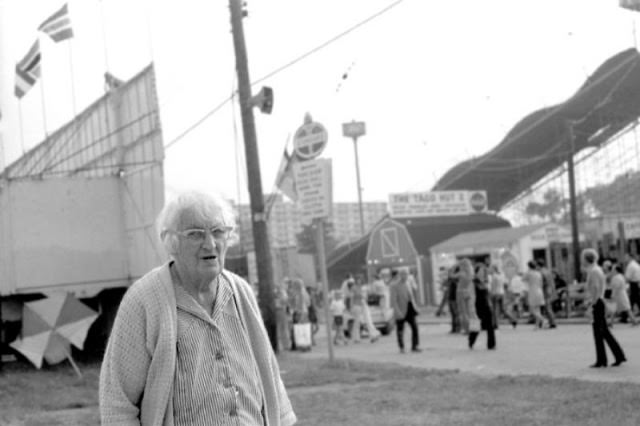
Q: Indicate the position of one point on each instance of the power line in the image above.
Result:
(197, 123)
(330, 41)
(287, 65)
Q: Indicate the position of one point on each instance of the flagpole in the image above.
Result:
(44, 108)
(42, 97)
(21, 126)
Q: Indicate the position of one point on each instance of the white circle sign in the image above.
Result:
(309, 140)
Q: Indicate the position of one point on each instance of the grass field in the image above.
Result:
(355, 393)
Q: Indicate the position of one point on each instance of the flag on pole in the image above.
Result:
(28, 70)
(284, 180)
(58, 25)
(630, 4)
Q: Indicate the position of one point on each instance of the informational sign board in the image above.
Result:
(437, 203)
(309, 140)
(354, 129)
(631, 228)
(314, 186)
(551, 233)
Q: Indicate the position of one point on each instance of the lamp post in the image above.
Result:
(353, 130)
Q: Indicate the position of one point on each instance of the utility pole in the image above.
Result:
(258, 216)
(355, 150)
(575, 239)
(353, 130)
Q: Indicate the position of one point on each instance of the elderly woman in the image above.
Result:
(188, 345)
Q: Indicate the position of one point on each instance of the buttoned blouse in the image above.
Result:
(217, 380)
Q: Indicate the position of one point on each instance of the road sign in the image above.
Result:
(313, 183)
(310, 140)
(355, 129)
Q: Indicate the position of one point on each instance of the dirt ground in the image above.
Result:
(566, 352)
(534, 377)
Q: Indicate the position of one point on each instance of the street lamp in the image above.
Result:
(354, 130)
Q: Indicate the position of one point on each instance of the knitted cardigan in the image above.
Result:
(136, 378)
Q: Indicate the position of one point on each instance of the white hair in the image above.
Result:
(189, 206)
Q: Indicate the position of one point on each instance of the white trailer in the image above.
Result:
(77, 211)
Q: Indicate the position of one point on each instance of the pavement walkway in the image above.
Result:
(566, 351)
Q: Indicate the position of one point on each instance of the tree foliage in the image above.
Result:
(620, 196)
(550, 208)
(307, 239)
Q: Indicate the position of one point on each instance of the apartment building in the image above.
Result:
(285, 223)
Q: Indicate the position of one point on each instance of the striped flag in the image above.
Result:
(58, 25)
(28, 70)
(630, 4)
(284, 180)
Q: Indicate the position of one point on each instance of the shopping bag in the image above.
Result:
(474, 324)
(611, 307)
(302, 335)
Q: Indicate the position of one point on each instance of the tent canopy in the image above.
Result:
(485, 238)
(606, 104)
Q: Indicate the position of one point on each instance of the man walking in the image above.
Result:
(404, 307)
(594, 290)
(632, 274)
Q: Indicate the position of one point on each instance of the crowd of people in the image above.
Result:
(478, 295)
(350, 313)
(392, 291)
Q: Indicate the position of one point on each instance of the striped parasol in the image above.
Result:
(50, 326)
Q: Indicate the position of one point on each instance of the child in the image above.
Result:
(337, 309)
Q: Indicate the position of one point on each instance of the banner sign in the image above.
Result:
(437, 203)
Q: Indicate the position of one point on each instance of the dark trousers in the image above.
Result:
(486, 322)
(455, 317)
(634, 294)
(602, 334)
(411, 319)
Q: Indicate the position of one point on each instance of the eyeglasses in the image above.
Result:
(198, 235)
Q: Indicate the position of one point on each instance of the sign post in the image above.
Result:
(319, 225)
(314, 188)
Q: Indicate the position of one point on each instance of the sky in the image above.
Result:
(436, 82)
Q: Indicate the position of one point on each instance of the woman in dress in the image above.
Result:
(466, 297)
(535, 296)
(619, 293)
